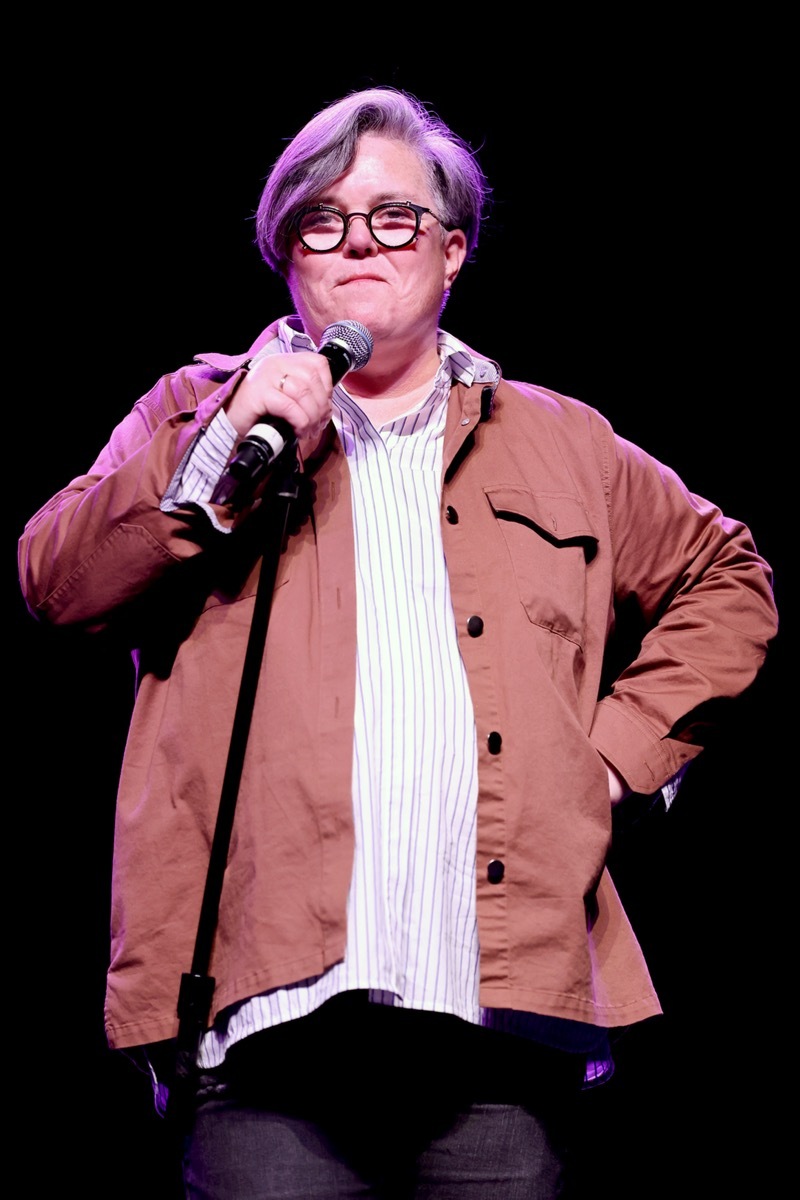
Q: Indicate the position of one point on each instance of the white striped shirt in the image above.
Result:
(412, 936)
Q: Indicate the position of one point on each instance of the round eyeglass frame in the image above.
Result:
(418, 210)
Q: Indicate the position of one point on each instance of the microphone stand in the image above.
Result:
(197, 986)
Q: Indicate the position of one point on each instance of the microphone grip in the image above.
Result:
(253, 457)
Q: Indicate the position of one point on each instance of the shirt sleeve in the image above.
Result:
(193, 483)
(198, 474)
(670, 789)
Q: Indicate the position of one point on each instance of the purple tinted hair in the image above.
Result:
(326, 146)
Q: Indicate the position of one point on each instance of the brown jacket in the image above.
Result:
(600, 607)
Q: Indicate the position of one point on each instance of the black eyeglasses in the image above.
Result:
(321, 228)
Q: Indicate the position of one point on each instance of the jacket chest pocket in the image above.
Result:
(551, 543)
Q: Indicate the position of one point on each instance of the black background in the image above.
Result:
(638, 256)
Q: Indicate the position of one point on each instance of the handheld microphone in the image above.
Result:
(347, 345)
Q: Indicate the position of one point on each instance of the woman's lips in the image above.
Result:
(361, 279)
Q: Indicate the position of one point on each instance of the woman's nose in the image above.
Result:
(358, 239)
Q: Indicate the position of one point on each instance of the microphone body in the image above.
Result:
(347, 345)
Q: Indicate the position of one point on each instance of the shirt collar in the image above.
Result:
(460, 364)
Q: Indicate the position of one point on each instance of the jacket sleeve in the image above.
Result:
(705, 607)
(104, 539)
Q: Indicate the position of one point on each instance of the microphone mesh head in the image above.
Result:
(354, 338)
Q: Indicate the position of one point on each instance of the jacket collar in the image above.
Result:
(474, 373)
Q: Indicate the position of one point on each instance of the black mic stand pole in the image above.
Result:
(197, 986)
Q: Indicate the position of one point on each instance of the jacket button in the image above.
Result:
(475, 627)
(451, 515)
(494, 742)
(495, 871)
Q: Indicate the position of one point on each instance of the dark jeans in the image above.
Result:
(361, 1100)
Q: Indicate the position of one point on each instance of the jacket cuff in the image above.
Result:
(645, 762)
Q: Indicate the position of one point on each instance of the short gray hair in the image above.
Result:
(326, 146)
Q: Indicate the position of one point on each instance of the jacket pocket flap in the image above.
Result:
(558, 515)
